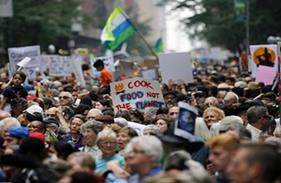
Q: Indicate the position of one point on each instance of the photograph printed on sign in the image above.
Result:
(185, 122)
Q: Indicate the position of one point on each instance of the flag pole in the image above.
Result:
(142, 37)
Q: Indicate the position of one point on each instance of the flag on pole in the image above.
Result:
(158, 47)
(117, 29)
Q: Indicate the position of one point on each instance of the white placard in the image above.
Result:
(136, 93)
(149, 74)
(24, 62)
(77, 61)
(18, 54)
(176, 66)
(60, 65)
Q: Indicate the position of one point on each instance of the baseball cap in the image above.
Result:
(18, 132)
(34, 109)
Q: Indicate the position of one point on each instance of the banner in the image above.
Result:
(136, 93)
(18, 54)
(185, 123)
(176, 66)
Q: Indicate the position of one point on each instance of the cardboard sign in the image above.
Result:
(185, 123)
(18, 54)
(176, 66)
(136, 93)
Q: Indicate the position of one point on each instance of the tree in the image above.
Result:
(217, 22)
(38, 22)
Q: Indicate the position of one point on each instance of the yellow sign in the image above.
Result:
(264, 56)
(82, 51)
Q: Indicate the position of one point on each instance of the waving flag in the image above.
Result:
(159, 47)
(118, 28)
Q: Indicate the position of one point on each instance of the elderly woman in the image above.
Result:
(74, 136)
(163, 121)
(107, 143)
(212, 115)
(89, 131)
(124, 136)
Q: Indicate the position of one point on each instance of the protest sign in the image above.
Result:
(185, 123)
(76, 62)
(136, 93)
(266, 74)
(24, 62)
(18, 54)
(176, 66)
(265, 55)
(57, 65)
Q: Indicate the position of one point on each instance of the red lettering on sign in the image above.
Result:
(126, 106)
(143, 83)
(152, 94)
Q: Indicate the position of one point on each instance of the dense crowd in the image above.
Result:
(53, 130)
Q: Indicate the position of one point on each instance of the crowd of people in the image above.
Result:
(57, 131)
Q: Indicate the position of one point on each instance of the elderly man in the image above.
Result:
(258, 121)
(66, 99)
(144, 157)
(93, 114)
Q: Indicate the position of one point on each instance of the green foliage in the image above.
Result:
(38, 21)
(217, 22)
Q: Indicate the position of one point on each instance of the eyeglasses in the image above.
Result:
(63, 97)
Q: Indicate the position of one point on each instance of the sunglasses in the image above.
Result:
(63, 97)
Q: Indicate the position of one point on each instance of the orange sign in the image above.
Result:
(264, 56)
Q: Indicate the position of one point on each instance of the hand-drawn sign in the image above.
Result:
(264, 56)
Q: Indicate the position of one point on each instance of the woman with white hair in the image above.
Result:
(107, 143)
(89, 131)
